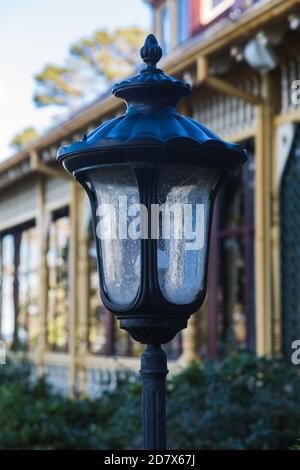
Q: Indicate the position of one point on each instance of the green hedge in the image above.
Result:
(240, 402)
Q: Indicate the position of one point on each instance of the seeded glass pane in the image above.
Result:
(116, 193)
(184, 205)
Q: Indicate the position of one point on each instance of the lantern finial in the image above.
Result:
(151, 51)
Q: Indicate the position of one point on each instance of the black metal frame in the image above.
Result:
(184, 151)
(148, 136)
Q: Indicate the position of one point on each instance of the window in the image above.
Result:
(211, 9)
(233, 260)
(28, 318)
(7, 289)
(19, 288)
(57, 262)
(183, 20)
(165, 28)
(237, 255)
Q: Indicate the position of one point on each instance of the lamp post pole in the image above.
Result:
(154, 371)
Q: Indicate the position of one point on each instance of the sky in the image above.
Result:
(35, 32)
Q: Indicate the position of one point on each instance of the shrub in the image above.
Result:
(239, 402)
(32, 416)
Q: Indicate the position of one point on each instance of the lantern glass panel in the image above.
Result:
(184, 194)
(114, 193)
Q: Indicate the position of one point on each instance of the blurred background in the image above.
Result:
(59, 61)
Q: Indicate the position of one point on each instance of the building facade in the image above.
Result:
(243, 60)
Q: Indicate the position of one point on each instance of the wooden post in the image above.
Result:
(73, 284)
(263, 259)
(83, 285)
(190, 340)
(276, 293)
(283, 149)
(17, 244)
(43, 274)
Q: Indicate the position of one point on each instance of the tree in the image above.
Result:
(24, 138)
(93, 63)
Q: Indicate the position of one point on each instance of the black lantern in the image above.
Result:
(152, 176)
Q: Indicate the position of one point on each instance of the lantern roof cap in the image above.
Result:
(151, 119)
(151, 76)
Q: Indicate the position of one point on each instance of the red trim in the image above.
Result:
(195, 16)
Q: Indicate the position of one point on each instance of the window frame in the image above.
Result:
(16, 232)
(245, 234)
(55, 215)
(208, 12)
